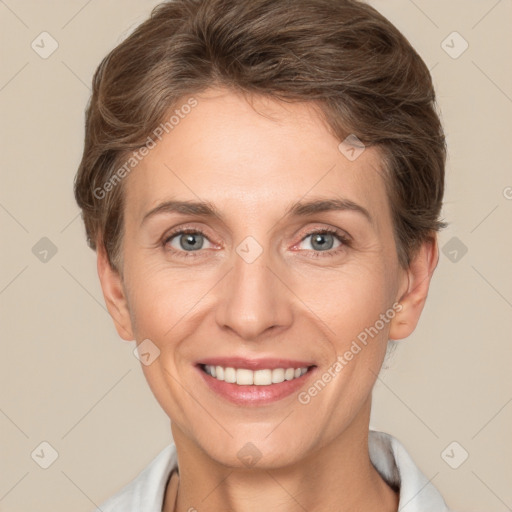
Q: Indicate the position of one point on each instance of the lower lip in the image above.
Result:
(254, 395)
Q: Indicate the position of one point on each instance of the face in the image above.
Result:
(256, 276)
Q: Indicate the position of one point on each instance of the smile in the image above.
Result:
(246, 377)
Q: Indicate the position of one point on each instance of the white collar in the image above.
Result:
(146, 492)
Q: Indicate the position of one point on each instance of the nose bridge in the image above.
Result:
(252, 299)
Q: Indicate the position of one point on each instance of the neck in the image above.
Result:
(338, 476)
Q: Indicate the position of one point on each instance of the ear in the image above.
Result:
(412, 300)
(114, 295)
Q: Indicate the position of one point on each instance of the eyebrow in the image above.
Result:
(297, 209)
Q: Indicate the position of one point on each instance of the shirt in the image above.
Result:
(146, 492)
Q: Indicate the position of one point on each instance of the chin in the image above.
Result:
(246, 451)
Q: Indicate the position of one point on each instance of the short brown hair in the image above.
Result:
(340, 54)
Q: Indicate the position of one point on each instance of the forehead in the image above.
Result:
(260, 155)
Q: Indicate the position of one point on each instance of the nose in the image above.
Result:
(253, 299)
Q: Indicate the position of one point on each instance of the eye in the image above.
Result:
(323, 240)
(186, 241)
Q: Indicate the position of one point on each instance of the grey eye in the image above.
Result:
(186, 241)
(321, 241)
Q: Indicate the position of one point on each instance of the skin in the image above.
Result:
(252, 162)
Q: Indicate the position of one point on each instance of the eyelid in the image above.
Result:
(341, 234)
(183, 231)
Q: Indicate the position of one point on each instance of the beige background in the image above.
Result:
(68, 380)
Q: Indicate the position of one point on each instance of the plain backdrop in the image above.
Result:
(70, 382)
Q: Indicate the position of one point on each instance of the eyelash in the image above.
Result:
(315, 254)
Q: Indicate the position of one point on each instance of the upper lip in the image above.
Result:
(254, 364)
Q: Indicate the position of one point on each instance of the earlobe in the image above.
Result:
(419, 274)
(114, 295)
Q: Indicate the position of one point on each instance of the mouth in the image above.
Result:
(254, 382)
(248, 377)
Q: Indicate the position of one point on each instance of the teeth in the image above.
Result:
(230, 375)
(278, 375)
(289, 374)
(245, 377)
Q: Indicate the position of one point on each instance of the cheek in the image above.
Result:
(164, 300)
(351, 305)
(348, 299)
(163, 306)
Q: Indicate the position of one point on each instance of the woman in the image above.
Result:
(262, 181)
